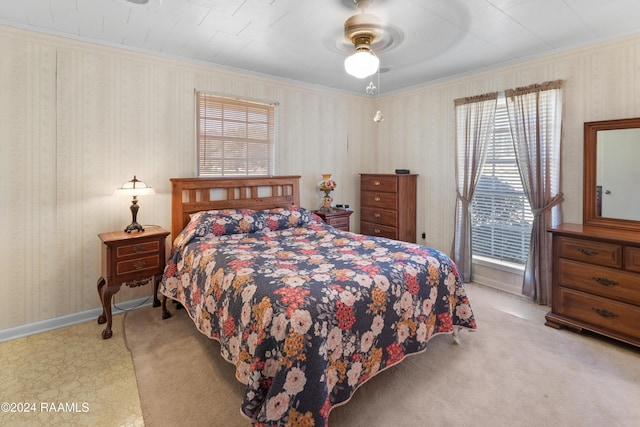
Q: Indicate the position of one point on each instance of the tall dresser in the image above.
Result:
(388, 206)
(596, 281)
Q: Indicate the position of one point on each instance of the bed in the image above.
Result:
(306, 313)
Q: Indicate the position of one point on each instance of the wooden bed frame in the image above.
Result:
(191, 195)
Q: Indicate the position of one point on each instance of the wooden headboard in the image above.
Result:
(191, 195)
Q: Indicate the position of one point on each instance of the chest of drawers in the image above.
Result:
(596, 281)
(388, 206)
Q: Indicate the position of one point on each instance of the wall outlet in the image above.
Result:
(424, 235)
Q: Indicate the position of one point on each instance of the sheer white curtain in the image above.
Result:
(474, 129)
(535, 117)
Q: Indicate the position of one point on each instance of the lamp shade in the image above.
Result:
(362, 64)
(134, 188)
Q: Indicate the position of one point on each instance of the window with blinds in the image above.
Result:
(233, 137)
(501, 217)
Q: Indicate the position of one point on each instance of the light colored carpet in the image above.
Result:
(512, 371)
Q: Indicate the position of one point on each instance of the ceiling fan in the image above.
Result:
(363, 30)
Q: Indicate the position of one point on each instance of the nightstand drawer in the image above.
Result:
(137, 249)
(338, 221)
(141, 264)
(337, 218)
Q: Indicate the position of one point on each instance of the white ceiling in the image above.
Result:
(303, 39)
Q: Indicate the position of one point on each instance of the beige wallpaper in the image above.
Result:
(77, 120)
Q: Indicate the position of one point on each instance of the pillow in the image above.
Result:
(223, 222)
(283, 218)
(218, 223)
(240, 221)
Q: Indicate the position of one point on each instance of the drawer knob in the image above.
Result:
(376, 214)
(604, 313)
(139, 265)
(376, 230)
(138, 248)
(376, 182)
(377, 198)
(588, 252)
(605, 282)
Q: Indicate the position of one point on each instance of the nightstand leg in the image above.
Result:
(156, 282)
(102, 318)
(107, 293)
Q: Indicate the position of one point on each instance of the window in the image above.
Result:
(501, 218)
(233, 137)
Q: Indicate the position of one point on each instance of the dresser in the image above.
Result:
(388, 206)
(596, 281)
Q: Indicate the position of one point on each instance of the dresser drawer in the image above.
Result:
(379, 200)
(632, 258)
(379, 216)
(387, 184)
(137, 249)
(612, 315)
(606, 254)
(141, 264)
(378, 230)
(606, 282)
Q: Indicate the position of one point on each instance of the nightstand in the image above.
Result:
(132, 259)
(338, 218)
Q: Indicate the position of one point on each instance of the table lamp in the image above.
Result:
(134, 188)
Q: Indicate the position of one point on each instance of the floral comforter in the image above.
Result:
(305, 312)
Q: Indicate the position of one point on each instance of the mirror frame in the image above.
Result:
(590, 216)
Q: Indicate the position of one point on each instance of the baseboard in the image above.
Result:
(68, 320)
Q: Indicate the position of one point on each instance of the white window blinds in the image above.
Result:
(501, 217)
(234, 137)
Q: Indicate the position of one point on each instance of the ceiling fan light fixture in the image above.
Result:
(361, 64)
(362, 30)
(364, 62)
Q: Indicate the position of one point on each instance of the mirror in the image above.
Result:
(612, 174)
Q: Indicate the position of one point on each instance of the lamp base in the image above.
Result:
(134, 226)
